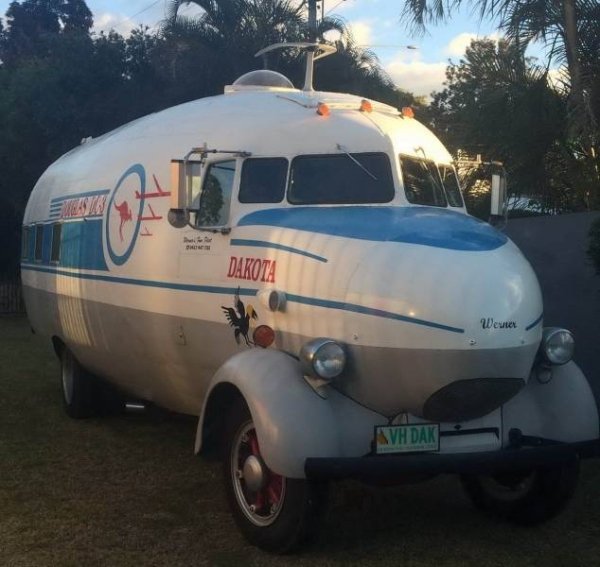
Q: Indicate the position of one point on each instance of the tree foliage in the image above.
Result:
(498, 104)
(570, 29)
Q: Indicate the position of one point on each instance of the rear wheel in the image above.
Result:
(84, 394)
(273, 512)
(77, 387)
(524, 498)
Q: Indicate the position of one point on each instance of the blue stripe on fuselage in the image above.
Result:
(313, 301)
(428, 226)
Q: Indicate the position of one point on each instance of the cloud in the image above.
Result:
(341, 6)
(557, 78)
(361, 32)
(416, 76)
(106, 21)
(191, 10)
(458, 44)
(332, 35)
(123, 24)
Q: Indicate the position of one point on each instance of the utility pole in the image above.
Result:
(312, 20)
(312, 38)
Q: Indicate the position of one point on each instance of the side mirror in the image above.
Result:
(178, 184)
(179, 215)
(499, 202)
(186, 190)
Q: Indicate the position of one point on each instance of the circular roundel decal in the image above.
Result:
(123, 219)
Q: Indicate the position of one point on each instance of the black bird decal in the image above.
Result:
(240, 321)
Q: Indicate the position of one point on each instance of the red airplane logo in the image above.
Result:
(124, 214)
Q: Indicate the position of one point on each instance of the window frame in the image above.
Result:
(285, 183)
(437, 173)
(25, 242)
(204, 179)
(39, 230)
(341, 155)
(453, 169)
(56, 227)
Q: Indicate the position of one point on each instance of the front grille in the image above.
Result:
(469, 399)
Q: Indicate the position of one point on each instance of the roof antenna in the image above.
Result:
(314, 50)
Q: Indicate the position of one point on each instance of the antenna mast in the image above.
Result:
(312, 21)
(313, 49)
(312, 38)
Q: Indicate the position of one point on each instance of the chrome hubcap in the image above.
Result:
(259, 492)
(254, 474)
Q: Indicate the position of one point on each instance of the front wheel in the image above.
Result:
(273, 512)
(527, 497)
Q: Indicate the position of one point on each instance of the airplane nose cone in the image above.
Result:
(446, 332)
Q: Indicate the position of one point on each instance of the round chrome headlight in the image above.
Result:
(323, 357)
(557, 345)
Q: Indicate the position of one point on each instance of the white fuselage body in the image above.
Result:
(422, 297)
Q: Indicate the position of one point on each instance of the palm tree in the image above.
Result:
(224, 37)
(230, 32)
(498, 103)
(569, 27)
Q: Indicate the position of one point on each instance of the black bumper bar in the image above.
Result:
(388, 467)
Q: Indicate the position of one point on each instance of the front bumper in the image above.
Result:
(373, 468)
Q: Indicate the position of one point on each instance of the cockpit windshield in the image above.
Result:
(450, 182)
(422, 183)
(426, 183)
(341, 179)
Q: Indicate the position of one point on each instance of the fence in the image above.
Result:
(11, 295)
(556, 247)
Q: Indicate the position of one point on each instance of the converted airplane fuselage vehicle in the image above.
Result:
(298, 270)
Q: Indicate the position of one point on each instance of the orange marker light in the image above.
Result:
(408, 112)
(263, 336)
(366, 106)
(323, 109)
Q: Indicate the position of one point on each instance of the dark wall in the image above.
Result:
(556, 247)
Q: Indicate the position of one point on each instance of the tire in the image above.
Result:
(526, 498)
(78, 387)
(280, 514)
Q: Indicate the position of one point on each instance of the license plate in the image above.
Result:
(415, 438)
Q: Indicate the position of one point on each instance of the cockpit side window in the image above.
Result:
(263, 180)
(450, 182)
(215, 198)
(422, 183)
(341, 179)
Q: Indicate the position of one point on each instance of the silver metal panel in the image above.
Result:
(559, 406)
(391, 381)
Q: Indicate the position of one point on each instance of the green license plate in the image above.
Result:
(415, 438)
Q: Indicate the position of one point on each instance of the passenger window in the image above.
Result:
(215, 198)
(39, 242)
(422, 183)
(56, 239)
(450, 183)
(341, 179)
(25, 242)
(263, 180)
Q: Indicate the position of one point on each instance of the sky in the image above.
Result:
(375, 24)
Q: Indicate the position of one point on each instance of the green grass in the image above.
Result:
(128, 491)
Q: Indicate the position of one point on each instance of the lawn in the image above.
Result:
(127, 490)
